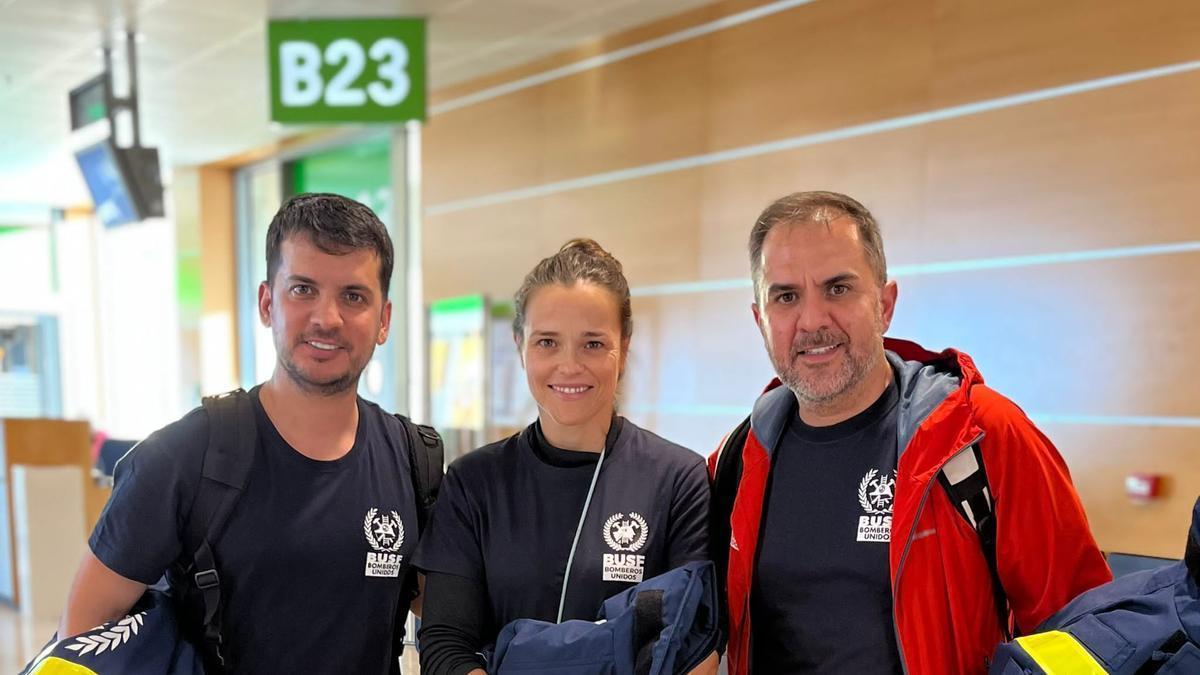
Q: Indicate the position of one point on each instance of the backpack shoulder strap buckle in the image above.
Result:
(206, 579)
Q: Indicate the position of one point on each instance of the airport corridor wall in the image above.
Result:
(1033, 166)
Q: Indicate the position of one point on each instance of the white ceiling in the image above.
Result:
(202, 67)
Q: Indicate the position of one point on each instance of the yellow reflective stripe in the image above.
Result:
(55, 666)
(1059, 653)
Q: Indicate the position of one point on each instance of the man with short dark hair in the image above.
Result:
(883, 511)
(313, 560)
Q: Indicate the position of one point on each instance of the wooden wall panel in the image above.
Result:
(696, 364)
(646, 109)
(218, 274)
(1040, 171)
(885, 171)
(748, 84)
(489, 147)
(695, 350)
(1109, 169)
(1100, 457)
(988, 49)
(1101, 338)
(602, 45)
(824, 66)
(633, 112)
(514, 236)
(699, 218)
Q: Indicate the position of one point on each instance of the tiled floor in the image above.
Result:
(20, 638)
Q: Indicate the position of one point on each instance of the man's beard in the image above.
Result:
(332, 387)
(822, 386)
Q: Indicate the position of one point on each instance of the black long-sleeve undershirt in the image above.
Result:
(453, 624)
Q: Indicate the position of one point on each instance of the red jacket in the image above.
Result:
(944, 612)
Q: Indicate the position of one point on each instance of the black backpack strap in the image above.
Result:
(427, 459)
(426, 467)
(726, 479)
(647, 626)
(228, 460)
(966, 483)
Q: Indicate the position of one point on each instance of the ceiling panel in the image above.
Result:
(202, 65)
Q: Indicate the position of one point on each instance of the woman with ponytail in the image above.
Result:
(577, 507)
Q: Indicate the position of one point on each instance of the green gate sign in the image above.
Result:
(347, 70)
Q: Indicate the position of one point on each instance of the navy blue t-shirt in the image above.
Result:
(821, 601)
(312, 557)
(507, 513)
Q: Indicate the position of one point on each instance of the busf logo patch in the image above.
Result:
(626, 535)
(875, 495)
(385, 535)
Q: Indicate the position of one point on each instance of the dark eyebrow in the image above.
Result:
(839, 278)
(592, 333)
(842, 277)
(303, 280)
(358, 288)
(781, 288)
(544, 333)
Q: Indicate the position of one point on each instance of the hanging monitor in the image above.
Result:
(125, 179)
(108, 185)
(124, 182)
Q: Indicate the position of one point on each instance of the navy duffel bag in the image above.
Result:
(662, 626)
(147, 642)
(1140, 624)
